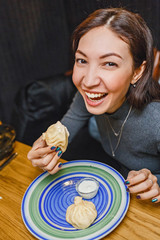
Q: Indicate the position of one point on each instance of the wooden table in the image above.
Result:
(142, 220)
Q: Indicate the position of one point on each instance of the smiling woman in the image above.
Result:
(113, 67)
(103, 69)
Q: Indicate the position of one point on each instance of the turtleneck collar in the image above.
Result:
(121, 112)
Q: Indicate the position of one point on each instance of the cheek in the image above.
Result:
(75, 77)
(119, 82)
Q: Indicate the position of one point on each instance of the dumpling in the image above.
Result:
(57, 135)
(81, 214)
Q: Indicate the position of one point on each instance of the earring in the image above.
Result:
(134, 85)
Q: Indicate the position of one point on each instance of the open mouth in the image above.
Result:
(95, 96)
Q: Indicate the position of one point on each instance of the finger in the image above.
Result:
(156, 199)
(141, 187)
(56, 168)
(43, 162)
(39, 143)
(50, 167)
(39, 152)
(152, 193)
(131, 174)
(140, 176)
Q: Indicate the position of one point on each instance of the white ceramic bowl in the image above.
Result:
(87, 187)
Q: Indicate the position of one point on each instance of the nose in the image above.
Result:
(91, 77)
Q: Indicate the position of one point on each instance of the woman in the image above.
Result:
(113, 66)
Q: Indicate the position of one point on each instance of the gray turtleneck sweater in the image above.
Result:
(139, 144)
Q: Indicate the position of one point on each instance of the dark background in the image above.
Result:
(35, 40)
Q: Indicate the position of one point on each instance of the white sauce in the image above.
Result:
(87, 186)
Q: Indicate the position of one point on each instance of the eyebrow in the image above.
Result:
(103, 56)
(110, 54)
(79, 51)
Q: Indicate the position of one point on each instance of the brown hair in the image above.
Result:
(132, 29)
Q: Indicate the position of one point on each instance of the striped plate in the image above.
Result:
(46, 200)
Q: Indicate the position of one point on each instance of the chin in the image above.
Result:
(95, 111)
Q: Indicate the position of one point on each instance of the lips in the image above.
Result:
(95, 96)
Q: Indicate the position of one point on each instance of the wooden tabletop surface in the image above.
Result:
(142, 220)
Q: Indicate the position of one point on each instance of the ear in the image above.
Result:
(138, 73)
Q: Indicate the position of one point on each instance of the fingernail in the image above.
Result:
(57, 149)
(154, 200)
(126, 182)
(60, 153)
(60, 165)
(127, 190)
(138, 197)
(53, 147)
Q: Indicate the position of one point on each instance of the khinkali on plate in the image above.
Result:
(57, 135)
(81, 214)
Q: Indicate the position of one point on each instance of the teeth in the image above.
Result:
(95, 100)
(94, 95)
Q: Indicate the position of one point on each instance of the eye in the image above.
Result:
(80, 61)
(110, 64)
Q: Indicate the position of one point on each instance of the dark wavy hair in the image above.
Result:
(132, 29)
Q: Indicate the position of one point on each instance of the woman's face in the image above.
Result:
(103, 70)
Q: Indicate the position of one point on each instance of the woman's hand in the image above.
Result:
(144, 184)
(45, 157)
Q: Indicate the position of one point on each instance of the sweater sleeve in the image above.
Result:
(158, 147)
(76, 117)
